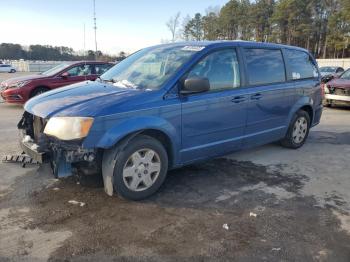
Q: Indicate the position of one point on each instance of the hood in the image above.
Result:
(338, 82)
(81, 99)
(22, 78)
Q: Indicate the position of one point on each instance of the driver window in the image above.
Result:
(221, 68)
(80, 70)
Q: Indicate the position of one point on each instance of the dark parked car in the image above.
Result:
(172, 105)
(337, 91)
(18, 90)
(331, 70)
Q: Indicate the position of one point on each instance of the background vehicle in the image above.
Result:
(171, 105)
(337, 90)
(331, 70)
(19, 90)
(7, 68)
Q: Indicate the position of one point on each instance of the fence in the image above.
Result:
(32, 66)
(41, 66)
(344, 63)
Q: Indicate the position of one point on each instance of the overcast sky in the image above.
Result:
(126, 25)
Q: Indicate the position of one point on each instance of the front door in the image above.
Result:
(76, 74)
(213, 122)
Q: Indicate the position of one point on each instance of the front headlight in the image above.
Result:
(19, 84)
(326, 89)
(68, 128)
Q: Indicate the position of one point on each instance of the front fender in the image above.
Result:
(136, 124)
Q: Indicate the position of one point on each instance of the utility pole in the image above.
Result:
(95, 28)
(84, 44)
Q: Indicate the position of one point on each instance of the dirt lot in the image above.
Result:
(265, 204)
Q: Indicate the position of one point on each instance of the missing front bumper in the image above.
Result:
(65, 157)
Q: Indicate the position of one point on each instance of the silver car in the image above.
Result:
(7, 68)
(331, 70)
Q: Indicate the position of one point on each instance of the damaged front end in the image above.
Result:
(65, 157)
(337, 95)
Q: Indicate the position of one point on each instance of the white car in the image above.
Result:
(7, 68)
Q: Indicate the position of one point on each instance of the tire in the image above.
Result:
(327, 103)
(298, 130)
(12, 71)
(38, 91)
(137, 173)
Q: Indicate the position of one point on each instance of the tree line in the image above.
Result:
(321, 26)
(52, 53)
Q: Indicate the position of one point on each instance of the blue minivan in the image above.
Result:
(171, 105)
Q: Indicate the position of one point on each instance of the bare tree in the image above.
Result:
(173, 25)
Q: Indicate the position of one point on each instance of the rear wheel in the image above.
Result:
(298, 130)
(39, 91)
(13, 71)
(140, 168)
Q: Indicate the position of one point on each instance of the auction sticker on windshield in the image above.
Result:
(193, 48)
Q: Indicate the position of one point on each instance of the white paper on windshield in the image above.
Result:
(193, 48)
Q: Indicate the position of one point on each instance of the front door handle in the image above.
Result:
(238, 99)
(256, 96)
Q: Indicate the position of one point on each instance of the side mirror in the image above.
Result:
(195, 85)
(327, 78)
(65, 74)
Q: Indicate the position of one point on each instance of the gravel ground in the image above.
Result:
(264, 204)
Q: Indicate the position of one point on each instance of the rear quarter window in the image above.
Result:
(301, 65)
(264, 66)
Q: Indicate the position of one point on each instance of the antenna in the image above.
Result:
(95, 28)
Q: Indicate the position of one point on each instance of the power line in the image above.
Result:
(84, 41)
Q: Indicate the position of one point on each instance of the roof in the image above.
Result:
(90, 62)
(235, 43)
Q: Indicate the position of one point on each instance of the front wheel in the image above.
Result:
(298, 130)
(140, 168)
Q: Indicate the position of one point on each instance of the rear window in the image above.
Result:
(265, 66)
(301, 65)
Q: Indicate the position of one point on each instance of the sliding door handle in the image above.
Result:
(256, 96)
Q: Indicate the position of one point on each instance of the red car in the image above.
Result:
(18, 90)
(337, 91)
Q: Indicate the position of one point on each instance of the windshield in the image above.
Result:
(327, 69)
(149, 68)
(346, 75)
(55, 70)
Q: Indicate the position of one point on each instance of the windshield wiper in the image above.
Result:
(106, 80)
